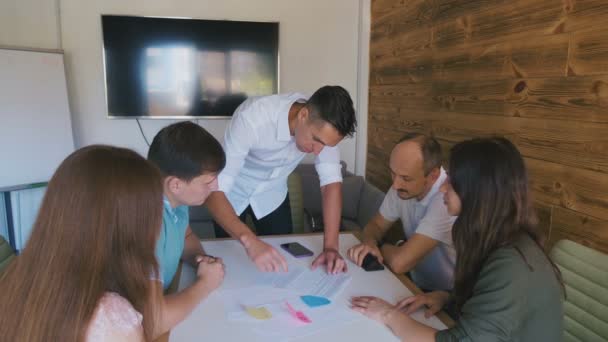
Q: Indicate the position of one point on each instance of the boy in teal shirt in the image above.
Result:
(189, 159)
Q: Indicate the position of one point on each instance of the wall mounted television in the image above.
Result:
(184, 68)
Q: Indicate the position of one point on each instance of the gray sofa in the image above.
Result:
(361, 201)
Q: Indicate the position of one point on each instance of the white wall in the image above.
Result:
(319, 44)
(29, 23)
(365, 21)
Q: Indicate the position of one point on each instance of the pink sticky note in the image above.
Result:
(297, 314)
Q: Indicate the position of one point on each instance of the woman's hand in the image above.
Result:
(434, 301)
(404, 327)
(374, 308)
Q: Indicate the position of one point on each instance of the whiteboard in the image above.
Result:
(35, 126)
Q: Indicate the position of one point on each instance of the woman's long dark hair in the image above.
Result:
(95, 232)
(490, 177)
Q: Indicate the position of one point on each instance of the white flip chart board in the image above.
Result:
(35, 125)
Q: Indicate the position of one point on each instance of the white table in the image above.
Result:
(208, 322)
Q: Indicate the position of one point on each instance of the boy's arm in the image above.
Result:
(192, 248)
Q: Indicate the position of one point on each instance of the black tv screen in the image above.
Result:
(166, 67)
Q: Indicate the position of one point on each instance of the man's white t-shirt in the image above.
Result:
(428, 217)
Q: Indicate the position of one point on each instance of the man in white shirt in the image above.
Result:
(414, 197)
(264, 142)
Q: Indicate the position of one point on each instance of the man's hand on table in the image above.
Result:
(331, 258)
(357, 253)
(265, 257)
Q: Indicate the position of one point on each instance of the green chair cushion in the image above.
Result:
(296, 202)
(585, 274)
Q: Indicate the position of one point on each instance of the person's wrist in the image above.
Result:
(330, 245)
(330, 249)
(203, 284)
(246, 239)
(370, 242)
(390, 315)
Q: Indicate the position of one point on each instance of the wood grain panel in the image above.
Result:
(397, 17)
(516, 59)
(515, 21)
(580, 190)
(584, 14)
(459, 22)
(407, 43)
(562, 98)
(535, 71)
(589, 52)
(586, 230)
(396, 13)
(383, 11)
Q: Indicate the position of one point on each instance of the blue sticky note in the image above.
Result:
(314, 301)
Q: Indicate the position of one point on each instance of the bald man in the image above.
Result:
(414, 198)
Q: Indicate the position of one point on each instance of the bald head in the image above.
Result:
(429, 148)
(408, 154)
(414, 164)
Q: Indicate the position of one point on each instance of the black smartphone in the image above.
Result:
(297, 250)
(371, 263)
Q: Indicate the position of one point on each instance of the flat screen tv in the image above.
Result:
(173, 67)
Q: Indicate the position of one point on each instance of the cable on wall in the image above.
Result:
(142, 132)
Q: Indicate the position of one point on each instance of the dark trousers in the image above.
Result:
(275, 223)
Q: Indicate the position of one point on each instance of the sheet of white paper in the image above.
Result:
(306, 281)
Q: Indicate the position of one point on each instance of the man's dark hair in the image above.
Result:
(186, 150)
(430, 147)
(333, 104)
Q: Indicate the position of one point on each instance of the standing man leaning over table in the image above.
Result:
(264, 142)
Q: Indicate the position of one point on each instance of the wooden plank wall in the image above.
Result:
(535, 71)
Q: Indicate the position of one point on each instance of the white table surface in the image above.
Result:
(208, 322)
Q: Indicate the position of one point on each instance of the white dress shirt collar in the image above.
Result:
(283, 131)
